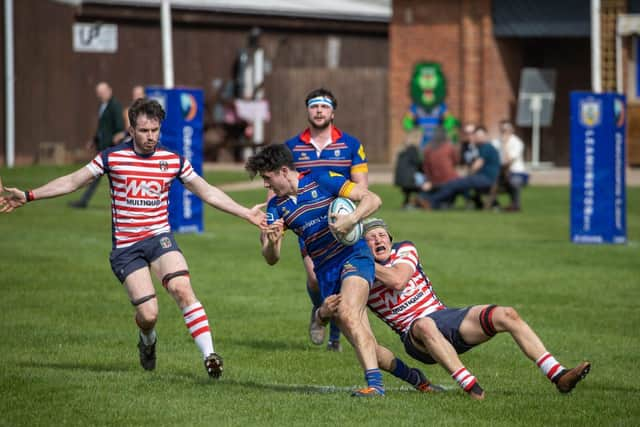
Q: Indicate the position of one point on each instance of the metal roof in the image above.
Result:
(350, 10)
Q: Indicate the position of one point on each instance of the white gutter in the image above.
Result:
(9, 104)
(167, 45)
(596, 61)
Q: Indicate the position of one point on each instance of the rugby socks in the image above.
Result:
(316, 298)
(148, 338)
(550, 366)
(374, 379)
(465, 380)
(334, 332)
(198, 324)
(405, 373)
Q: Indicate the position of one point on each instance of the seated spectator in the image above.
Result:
(513, 174)
(483, 175)
(408, 173)
(468, 150)
(439, 164)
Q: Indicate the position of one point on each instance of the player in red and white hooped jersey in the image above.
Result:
(140, 174)
(140, 189)
(398, 308)
(403, 297)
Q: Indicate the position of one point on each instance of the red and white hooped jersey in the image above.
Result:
(399, 309)
(139, 186)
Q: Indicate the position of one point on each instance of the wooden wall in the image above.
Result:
(55, 98)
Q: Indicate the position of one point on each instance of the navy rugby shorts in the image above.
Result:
(125, 261)
(448, 322)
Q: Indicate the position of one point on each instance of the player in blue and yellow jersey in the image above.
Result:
(300, 203)
(324, 147)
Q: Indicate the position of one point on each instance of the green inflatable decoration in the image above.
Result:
(428, 111)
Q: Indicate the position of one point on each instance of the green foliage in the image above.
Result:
(68, 341)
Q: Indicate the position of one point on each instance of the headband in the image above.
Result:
(320, 100)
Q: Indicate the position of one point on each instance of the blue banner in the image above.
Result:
(598, 191)
(182, 132)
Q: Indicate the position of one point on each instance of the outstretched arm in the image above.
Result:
(272, 241)
(221, 200)
(12, 198)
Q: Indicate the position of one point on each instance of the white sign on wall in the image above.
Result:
(95, 37)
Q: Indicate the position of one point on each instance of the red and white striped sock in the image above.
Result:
(464, 379)
(198, 324)
(549, 365)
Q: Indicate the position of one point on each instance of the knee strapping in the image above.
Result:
(168, 277)
(486, 320)
(137, 302)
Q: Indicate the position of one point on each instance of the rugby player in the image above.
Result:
(140, 174)
(324, 147)
(301, 204)
(403, 297)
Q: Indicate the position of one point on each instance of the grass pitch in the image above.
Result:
(68, 351)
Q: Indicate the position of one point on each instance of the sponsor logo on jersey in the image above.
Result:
(304, 156)
(144, 191)
(399, 309)
(334, 174)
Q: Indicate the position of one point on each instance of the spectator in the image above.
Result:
(110, 132)
(483, 175)
(440, 160)
(468, 151)
(408, 173)
(513, 174)
(136, 92)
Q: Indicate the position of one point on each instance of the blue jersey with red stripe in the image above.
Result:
(344, 155)
(307, 215)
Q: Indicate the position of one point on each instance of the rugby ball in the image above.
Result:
(344, 206)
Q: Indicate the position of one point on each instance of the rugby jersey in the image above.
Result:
(345, 154)
(307, 215)
(139, 186)
(399, 309)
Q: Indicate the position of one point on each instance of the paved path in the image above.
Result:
(383, 174)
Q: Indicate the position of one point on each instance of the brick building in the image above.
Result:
(483, 46)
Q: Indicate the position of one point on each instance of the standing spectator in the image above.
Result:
(514, 175)
(484, 173)
(137, 92)
(110, 131)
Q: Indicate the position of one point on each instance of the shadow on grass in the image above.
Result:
(89, 367)
(270, 344)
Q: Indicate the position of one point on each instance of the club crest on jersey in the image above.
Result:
(165, 243)
(336, 153)
(164, 165)
(314, 194)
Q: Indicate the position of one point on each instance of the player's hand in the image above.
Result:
(329, 307)
(342, 224)
(11, 198)
(275, 231)
(257, 217)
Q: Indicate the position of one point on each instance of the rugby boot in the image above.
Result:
(213, 365)
(425, 386)
(147, 354)
(317, 328)
(368, 392)
(334, 346)
(568, 379)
